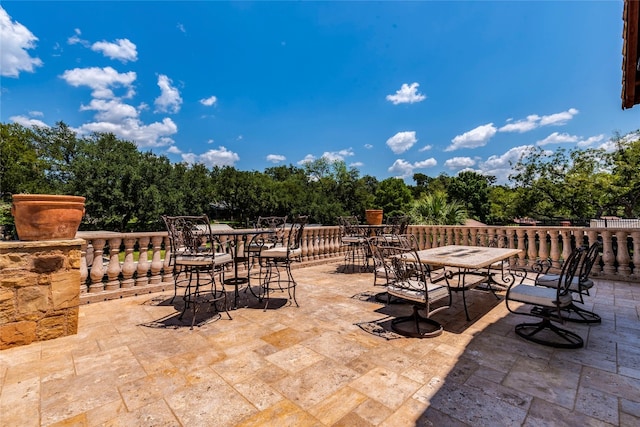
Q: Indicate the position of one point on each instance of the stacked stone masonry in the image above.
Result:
(39, 290)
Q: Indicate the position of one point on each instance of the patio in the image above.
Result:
(133, 363)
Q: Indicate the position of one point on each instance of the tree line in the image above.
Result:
(128, 190)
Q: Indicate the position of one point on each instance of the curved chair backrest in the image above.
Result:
(590, 258)
(398, 224)
(275, 223)
(569, 269)
(189, 234)
(294, 240)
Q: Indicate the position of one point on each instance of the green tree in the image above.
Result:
(435, 209)
(393, 196)
(472, 190)
(21, 170)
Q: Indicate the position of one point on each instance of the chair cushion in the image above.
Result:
(551, 281)
(412, 291)
(202, 260)
(537, 295)
(280, 252)
(354, 239)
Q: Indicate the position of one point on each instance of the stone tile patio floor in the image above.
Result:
(133, 363)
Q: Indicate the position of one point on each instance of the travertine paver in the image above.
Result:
(134, 363)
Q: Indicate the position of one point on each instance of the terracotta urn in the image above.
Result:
(373, 216)
(46, 216)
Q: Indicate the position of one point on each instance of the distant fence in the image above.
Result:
(615, 223)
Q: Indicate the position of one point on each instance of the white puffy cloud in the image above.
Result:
(75, 39)
(110, 110)
(521, 126)
(558, 138)
(402, 141)
(332, 156)
(459, 163)
(558, 119)
(16, 41)
(307, 159)
(28, 122)
(153, 135)
(407, 94)
(123, 50)
(590, 141)
(212, 100)
(501, 166)
(356, 165)
(174, 150)
(368, 146)
(425, 148)
(477, 137)
(100, 80)
(219, 157)
(276, 158)
(403, 169)
(169, 100)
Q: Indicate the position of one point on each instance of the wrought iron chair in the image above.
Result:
(275, 258)
(548, 304)
(413, 281)
(259, 242)
(397, 224)
(579, 286)
(196, 262)
(355, 239)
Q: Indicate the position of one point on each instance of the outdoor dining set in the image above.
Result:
(427, 279)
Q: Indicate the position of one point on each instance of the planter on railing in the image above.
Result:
(46, 216)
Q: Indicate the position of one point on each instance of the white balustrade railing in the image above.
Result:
(103, 272)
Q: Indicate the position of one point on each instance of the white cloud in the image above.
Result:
(276, 158)
(459, 163)
(174, 150)
(169, 100)
(558, 138)
(425, 148)
(521, 126)
(558, 119)
(36, 113)
(477, 137)
(403, 169)
(501, 166)
(16, 41)
(368, 146)
(212, 100)
(123, 50)
(407, 94)
(75, 39)
(402, 141)
(590, 141)
(332, 156)
(110, 110)
(219, 157)
(181, 28)
(153, 135)
(356, 165)
(28, 122)
(307, 159)
(100, 80)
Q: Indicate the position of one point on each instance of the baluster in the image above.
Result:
(129, 266)
(113, 268)
(566, 244)
(623, 253)
(593, 238)
(84, 271)
(608, 257)
(511, 244)
(306, 249)
(167, 271)
(315, 245)
(532, 250)
(635, 235)
(97, 269)
(143, 262)
(156, 260)
(522, 255)
(543, 248)
(555, 248)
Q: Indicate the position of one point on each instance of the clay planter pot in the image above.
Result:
(373, 216)
(47, 216)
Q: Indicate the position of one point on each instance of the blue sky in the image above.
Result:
(392, 88)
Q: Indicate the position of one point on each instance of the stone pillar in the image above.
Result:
(39, 290)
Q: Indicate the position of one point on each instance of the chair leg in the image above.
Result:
(567, 339)
(418, 326)
(575, 314)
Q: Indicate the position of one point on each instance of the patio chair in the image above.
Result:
(355, 238)
(397, 224)
(413, 281)
(259, 242)
(548, 304)
(579, 287)
(274, 259)
(196, 262)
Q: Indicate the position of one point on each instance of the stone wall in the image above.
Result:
(39, 290)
